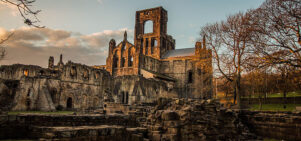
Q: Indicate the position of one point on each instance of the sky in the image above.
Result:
(81, 29)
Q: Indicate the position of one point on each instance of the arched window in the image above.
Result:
(86, 74)
(26, 72)
(122, 62)
(73, 71)
(190, 77)
(130, 61)
(97, 75)
(115, 60)
(153, 45)
(69, 103)
(146, 46)
(130, 55)
(148, 27)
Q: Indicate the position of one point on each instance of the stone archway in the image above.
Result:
(69, 103)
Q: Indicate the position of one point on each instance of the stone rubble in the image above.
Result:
(180, 119)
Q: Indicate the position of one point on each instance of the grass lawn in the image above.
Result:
(289, 94)
(40, 112)
(274, 107)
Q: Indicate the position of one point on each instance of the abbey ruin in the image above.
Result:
(139, 72)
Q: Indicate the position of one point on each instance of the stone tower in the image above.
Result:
(60, 64)
(50, 62)
(155, 42)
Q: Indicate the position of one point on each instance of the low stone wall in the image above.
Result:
(169, 120)
(276, 125)
(275, 100)
(21, 126)
(71, 120)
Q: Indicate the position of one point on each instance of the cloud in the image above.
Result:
(12, 8)
(35, 45)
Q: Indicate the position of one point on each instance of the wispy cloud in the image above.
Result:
(35, 45)
(9, 7)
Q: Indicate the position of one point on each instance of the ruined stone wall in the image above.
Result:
(150, 64)
(122, 59)
(8, 89)
(33, 94)
(46, 89)
(136, 89)
(156, 42)
(187, 76)
(274, 125)
(17, 71)
(65, 126)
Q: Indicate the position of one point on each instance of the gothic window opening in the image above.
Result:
(122, 62)
(148, 27)
(73, 71)
(115, 61)
(26, 72)
(190, 77)
(141, 43)
(86, 74)
(69, 103)
(164, 43)
(123, 47)
(153, 44)
(97, 75)
(146, 46)
(131, 61)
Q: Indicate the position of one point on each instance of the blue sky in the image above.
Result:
(108, 18)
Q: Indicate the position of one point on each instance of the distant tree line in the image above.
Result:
(258, 51)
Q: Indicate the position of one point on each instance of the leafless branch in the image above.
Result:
(25, 10)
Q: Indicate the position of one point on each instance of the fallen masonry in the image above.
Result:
(195, 120)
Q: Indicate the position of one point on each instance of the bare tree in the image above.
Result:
(2, 49)
(278, 38)
(230, 44)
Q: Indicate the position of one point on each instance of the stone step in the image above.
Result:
(77, 131)
(101, 132)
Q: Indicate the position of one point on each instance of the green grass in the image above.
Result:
(40, 112)
(274, 107)
(289, 94)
